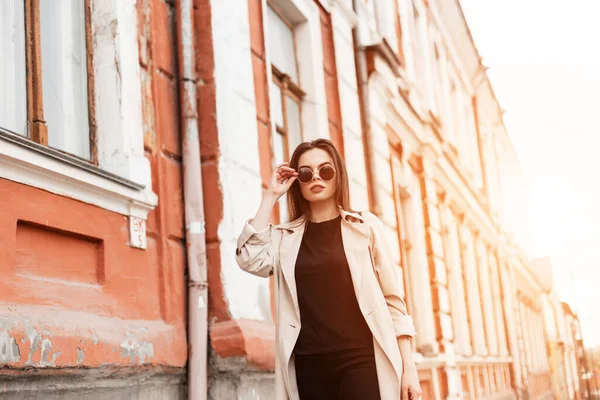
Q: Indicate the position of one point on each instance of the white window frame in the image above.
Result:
(122, 180)
(311, 74)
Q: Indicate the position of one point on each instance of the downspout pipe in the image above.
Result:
(362, 77)
(194, 205)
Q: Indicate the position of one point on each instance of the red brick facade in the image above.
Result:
(69, 274)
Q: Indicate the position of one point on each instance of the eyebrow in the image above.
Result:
(320, 165)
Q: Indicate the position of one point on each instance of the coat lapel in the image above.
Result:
(355, 236)
(288, 253)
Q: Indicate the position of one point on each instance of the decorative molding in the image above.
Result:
(481, 361)
(252, 340)
(64, 176)
(347, 11)
(384, 50)
(326, 4)
(66, 159)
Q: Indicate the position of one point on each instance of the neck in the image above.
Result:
(323, 211)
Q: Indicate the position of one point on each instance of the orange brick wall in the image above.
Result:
(156, 27)
(75, 293)
(209, 152)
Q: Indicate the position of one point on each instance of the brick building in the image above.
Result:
(93, 251)
(129, 105)
(400, 88)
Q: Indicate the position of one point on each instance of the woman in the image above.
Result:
(343, 331)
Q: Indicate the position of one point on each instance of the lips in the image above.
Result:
(317, 188)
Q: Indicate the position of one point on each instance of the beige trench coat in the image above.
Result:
(273, 251)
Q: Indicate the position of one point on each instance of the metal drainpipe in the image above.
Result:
(362, 76)
(194, 209)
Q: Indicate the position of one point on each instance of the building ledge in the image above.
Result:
(251, 340)
(39, 337)
(29, 163)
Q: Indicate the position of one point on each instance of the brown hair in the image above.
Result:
(297, 204)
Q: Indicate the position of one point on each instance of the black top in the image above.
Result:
(329, 313)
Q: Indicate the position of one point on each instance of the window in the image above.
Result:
(13, 99)
(418, 44)
(454, 261)
(439, 79)
(284, 93)
(50, 40)
(457, 113)
(419, 298)
(52, 135)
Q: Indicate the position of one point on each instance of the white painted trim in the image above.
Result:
(326, 4)
(23, 165)
(118, 101)
(367, 24)
(386, 21)
(305, 16)
(118, 116)
(347, 11)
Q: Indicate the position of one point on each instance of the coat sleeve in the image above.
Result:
(255, 252)
(385, 270)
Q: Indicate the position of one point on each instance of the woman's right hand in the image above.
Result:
(281, 180)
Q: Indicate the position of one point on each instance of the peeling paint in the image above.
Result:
(95, 339)
(134, 349)
(9, 349)
(46, 352)
(34, 341)
(80, 356)
(114, 31)
(6, 324)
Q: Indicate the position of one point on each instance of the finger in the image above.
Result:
(415, 393)
(287, 174)
(287, 169)
(280, 165)
(284, 170)
(405, 394)
(289, 182)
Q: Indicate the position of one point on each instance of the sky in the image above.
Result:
(544, 65)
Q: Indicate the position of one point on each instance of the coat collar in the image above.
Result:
(348, 216)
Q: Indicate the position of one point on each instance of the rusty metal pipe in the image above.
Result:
(194, 205)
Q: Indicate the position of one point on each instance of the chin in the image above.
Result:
(318, 197)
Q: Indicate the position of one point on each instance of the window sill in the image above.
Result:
(39, 166)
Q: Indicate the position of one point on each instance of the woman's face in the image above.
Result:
(317, 189)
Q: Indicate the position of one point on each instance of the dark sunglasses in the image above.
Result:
(326, 172)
